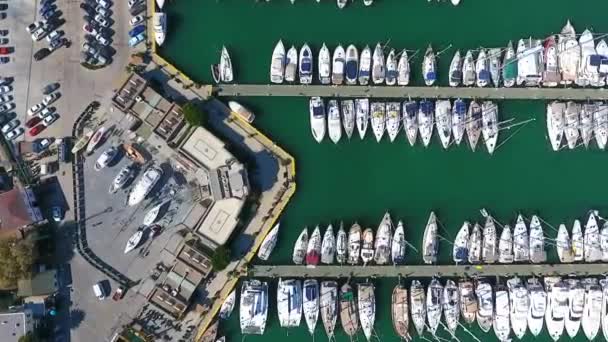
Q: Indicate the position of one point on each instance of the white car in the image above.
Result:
(5, 107)
(102, 40)
(103, 11)
(45, 112)
(10, 126)
(53, 35)
(106, 158)
(104, 3)
(50, 98)
(101, 20)
(38, 34)
(49, 119)
(35, 109)
(33, 27)
(5, 89)
(15, 133)
(132, 3)
(5, 98)
(136, 20)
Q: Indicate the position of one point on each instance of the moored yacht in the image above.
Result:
(592, 312)
(367, 246)
(488, 251)
(410, 121)
(329, 306)
(509, 66)
(494, 56)
(600, 125)
(334, 125)
(348, 310)
(317, 118)
(537, 241)
(311, 304)
(430, 243)
(586, 72)
(555, 123)
(485, 305)
(159, 22)
(521, 242)
(451, 306)
(277, 63)
(226, 71)
(354, 244)
(403, 69)
(362, 116)
(377, 119)
(305, 66)
(443, 121)
(563, 245)
(456, 70)
(604, 241)
(418, 306)
(482, 66)
(519, 303)
(299, 250)
(313, 251)
(378, 67)
(576, 305)
(391, 68)
(253, 307)
(591, 239)
(474, 124)
(382, 245)
(289, 302)
(571, 123)
(352, 64)
(604, 311)
(569, 54)
(489, 120)
(348, 117)
(425, 121)
(501, 323)
(505, 246)
(586, 126)
(337, 65)
(429, 67)
(578, 244)
(367, 308)
(393, 119)
(468, 301)
(269, 242)
(324, 65)
(328, 246)
(475, 245)
(398, 245)
(291, 64)
(434, 297)
(460, 251)
(551, 75)
(538, 306)
(341, 245)
(557, 306)
(365, 66)
(459, 113)
(469, 75)
(399, 312)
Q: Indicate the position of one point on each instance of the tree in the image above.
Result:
(194, 115)
(16, 260)
(29, 337)
(220, 258)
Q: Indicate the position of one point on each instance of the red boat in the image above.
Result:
(313, 252)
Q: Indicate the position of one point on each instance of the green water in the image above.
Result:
(360, 180)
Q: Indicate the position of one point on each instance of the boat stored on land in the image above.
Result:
(134, 241)
(145, 185)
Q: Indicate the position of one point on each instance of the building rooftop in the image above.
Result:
(17, 211)
(126, 94)
(41, 284)
(171, 123)
(206, 149)
(196, 259)
(220, 221)
(15, 324)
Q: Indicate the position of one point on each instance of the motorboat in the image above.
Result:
(160, 3)
(393, 119)
(429, 67)
(106, 158)
(456, 70)
(269, 242)
(538, 306)
(586, 71)
(289, 303)
(410, 121)
(299, 250)
(82, 142)
(474, 124)
(501, 323)
(241, 111)
(586, 119)
(382, 244)
(426, 109)
(348, 310)
(563, 245)
(317, 118)
(578, 244)
(434, 296)
(551, 76)
(489, 121)
(391, 68)
(253, 307)
(354, 244)
(485, 305)
(600, 125)
(571, 124)
(555, 123)
(228, 305)
(460, 251)
(368, 2)
(367, 246)
(305, 66)
(96, 139)
(494, 56)
(144, 185)
(152, 214)
(378, 118)
(348, 117)
(505, 246)
(451, 306)
(159, 26)
(488, 250)
(530, 64)
(430, 243)
(604, 241)
(591, 240)
(337, 65)
(519, 304)
(557, 306)
(443, 121)
(468, 301)
(226, 71)
(475, 245)
(341, 3)
(362, 116)
(459, 117)
(365, 66)
(418, 306)
(277, 63)
(403, 69)
(378, 67)
(328, 246)
(122, 178)
(602, 57)
(134, 241)
(334, 124)
(604, 311)
(509, 66)
(352, 64)
(311, 304)
(569, 54)
(313, 251)
(592, 311)
(329, 306)
(576, 306)
(400, 312)
(482, 66)
(537, 241)
(291, 64)
(521, 242)
(398, 245)
(324, 65)
(469, 75)
(367, 308)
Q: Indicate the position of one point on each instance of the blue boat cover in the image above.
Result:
(484, 75)
(363, 73)
(462, 254)
(595, 60)
(428, 107)
(411, 109)
(456, 75)
(430, 76)
(351, 70)
(306, 66)
(461, 106)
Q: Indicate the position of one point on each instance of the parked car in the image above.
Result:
(138, 19)
(101, 20)
(10, 126)
(4, 33)
(3, 41)
(32, 122)
(5, 107)
(46, 112)
(6, 98)
(57, 43)
(103, 11)
(49, 14)
(15, 133)
(47, 7)
(87, 8)
(102, 40)
(38, 34)
(49, 88)
(4, 60)
(37, 129)
(104, 3)
(3, 7)
(119, 293)
(90, 29)
(4, 50)
(132, 3)
(137, 30)
(54, 35)
(49, 119)
(57, 213)
(5, 89)
(33, 27)
(35, 108)
(40, 54)
(137, 9)
(51, 98)
(136, 40)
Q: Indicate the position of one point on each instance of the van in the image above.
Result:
(99, 292)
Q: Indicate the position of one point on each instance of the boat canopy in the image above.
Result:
(461, 254)
(306, 65)
(411, 108)
(427, 107)
(509, 70)
(595, 60)
(456, 75)
(461, 107)
(430, 76)
(484, 75)
(351, 69)
(604, 65)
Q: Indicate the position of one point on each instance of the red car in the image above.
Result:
(120, 292)
(33, 121)
(4, 50)
(34, 131)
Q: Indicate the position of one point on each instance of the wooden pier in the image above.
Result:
(414, 271)
(576, 94)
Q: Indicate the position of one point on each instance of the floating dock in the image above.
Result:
(414, 271)
(564, 94)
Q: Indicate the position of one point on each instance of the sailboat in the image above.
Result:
(537, 241)
(399, 312)
(509, 67)
(277, 64)
(329, 306)
(495, 67)
(460, 251)
(468, 302)
(384, 235)
(485, 304)
(434, 295)
(586, 72)
(602, 55)
(451, 306)
(348, 310)
(474, 124)
(324, 65)
(82, 142)
(134, 241)
(398, 245)
(269, 242)
(337, 66)
(362, 116)
(299, 250)
(489, 120)
(505, 246)
(253, 307)
(578, 244)
(429, 67)
(328, 246)
(502, 325)
(475, 245)
(354, 244)
(317, 118)
(586, 126)
(555, 123)
(341, 245)
(418, 306)
(348, 117)
(551, 75)
(367, 308)
(228, 305)
(604, 241)
(425, 121)
(604, 313)
(488, 251)
(152, 215)
(600, 125)
(430, 244)
(519, 303)
(443, 121)
(459, 113)
(482, 66)
(538, 306)
(563, 245)
(592, 311)
(593, 250)
(311, 304)
(456, 70)
(313, 251)
(378, 67)
(305, 67)
(469, 75)
(557, 306)
(576, 305)
(334, 125)
(403, 69)
(96, 139)
(226, 71)
(521, 247)
(367, 246)
(365, 65)
(391, 68)
(410, 121)
(352, 64)
(393, 119)
(378, 118)
(571, 124)
(291, 64)
(289, 303)
(569, 53)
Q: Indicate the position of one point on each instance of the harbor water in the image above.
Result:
(359, 180)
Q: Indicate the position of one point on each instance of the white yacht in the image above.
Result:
(329, 306)
(494, 56)
(569, 54)
(324, 65)
(337, 66)
(403, 69)
(362, 116)
(591, 240)
(144, 185)
(354, 244)
(341, 245)
(563, 245)
(602, 55)
(604, 241)
(391, 68)
(291, 64)
(571, 125)
(367, 308)
(434, 297)
(460, 251)
(328, 246)
(253, 307)
(475, 245)
(488, 251)
(509, 66)
(501, 323)
(418, 306)
(551, 76)
(538, 306)
(226, 71)
(311, 304)
(317, 118)
(305, 66)
(378, 118)
(430, 243)
(576, 306)
(592, 311)
(398, 245)
(269, 242)
(459, 120)
(425, 121)
(519, 303)
(352, 64)
(489, 118)
(530, 64)
(474, 124)
(410, 121)
(600, 125)
(228, 305)
(485, 304)
(289, 302)
(586, 71)
(367, 246)
(384, 235)
(469, 75)
(378, 67)
(604, 313)
(468, 300)
(159, 24)
(277, 63)
(482, 66)
(521, 242)
(134, 241)
(299, 250)
(334, 125)
(451, 306)
(586, 125)
(505, 246)
(365, 66)
(348, 117)
(443, 121)
(456, 70)
(393, 119)
(429, 67)
(557, 306)
(537, 241)
(555, 123)
(578, 244)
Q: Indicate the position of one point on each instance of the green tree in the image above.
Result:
(16, 260)
(29, 337)
(220, 258)
(194, 115)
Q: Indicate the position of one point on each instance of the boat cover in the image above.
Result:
(351, 70)
(306, 65)
(456, 75)
(430, 76)
(509, 71)
(484, 75)
(604, 65)
(595, 60)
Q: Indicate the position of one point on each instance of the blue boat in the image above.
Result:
(429, 67)
(352, 64)
(305, 67)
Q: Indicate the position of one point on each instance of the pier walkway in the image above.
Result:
(414, 271)
(577, 94)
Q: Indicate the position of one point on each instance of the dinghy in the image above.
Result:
(277, 64)
(393, 119)
(451, 306)
(291, 64)
(311, 304)
(391, 68)
(460, 251)
(538, 306)
(592, 312)
(571, 123)
(555, 123)
(474, 124)
(367, 246)
(489, 120)
(299, 250)
(324, 65)
(334, 125)
(305, 67)
(289, 303)
(348, 310)
(328, 246)
(468, 302)
(399, 312)
(337, 66)
(317, 118)
(482, 66)
(382, 246)
(459, 113)
(429, 67)
(593, 250)
(367, 308)
(488, 250)
(475, 245)
(313, 251)
(578, 244)
(134, 241)
(443, 121)
(519, 303)
(329, 306)
(365, 66)
(348, 117)
(430, 244)
(600, 125)
(352, 64)
(341, 245)
(563, 245)
(434, 295)
(537, 241)
(403, 69)
(354, 244)
(586, 126)
(501, 323)
(494, 56)
(576, 306)
(469, 75)
(509, 67)
(378, 67)
(521, 246)
(398, 245)
(418, 306)
(410, 121)
(485, 304)
(425, 121)
(362, 116)
(505, 246)
(269, 242)
(456, 70)
(378, 118)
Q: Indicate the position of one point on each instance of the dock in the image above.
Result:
(422, 271)
(564, 94)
